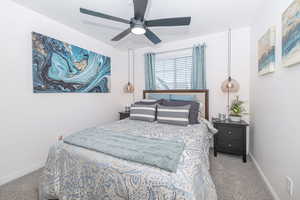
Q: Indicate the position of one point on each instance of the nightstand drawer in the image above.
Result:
(230, 133)
(231, 146)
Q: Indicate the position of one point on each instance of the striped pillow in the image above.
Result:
(143, 112)
(177, 115)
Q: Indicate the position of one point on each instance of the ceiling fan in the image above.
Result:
(138, 25)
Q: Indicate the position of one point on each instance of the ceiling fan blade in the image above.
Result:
(122, 35)
(140, 7)
(105, 16)
(152, 37)
(179, 21)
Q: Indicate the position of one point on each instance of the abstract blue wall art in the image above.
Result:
(59, 67)
(291, 35)
(266, 52)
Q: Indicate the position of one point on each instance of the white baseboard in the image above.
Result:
(267, 182)
(20, 173)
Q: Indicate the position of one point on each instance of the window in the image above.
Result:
(173, 73)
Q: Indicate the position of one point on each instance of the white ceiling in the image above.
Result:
(208, 16)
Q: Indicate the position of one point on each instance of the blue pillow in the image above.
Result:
(179, 97)
(159, 96)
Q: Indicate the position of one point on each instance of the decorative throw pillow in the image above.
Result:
(143, 112)
(194, 108)
(149, 102)
(180, 97)
(158, 96)
(177, 115)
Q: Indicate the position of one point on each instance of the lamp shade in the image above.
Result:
(129, 88)
(230, 85)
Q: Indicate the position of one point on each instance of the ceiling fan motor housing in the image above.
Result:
(134, 22)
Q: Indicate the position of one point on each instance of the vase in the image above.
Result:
(235, 118)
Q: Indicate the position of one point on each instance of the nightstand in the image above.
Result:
(124, 115)
(231, 138)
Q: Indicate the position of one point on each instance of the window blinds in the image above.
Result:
(173, 73)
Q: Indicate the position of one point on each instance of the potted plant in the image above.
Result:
(237, 110)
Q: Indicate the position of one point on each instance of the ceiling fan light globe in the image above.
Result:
(137, 30)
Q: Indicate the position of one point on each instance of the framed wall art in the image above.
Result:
(59, 67)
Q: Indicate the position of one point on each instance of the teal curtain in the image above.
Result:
(150, 71)
(198, 69)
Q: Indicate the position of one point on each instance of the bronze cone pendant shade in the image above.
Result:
(230, 85)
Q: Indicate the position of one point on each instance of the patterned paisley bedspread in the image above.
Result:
(75, 173)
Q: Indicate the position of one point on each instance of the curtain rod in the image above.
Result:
(182, 49)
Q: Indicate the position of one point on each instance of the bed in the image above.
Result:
(73, 172)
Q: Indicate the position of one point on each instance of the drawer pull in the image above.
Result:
(229, 132)
(229, 145)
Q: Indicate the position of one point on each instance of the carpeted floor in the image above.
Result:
(234, 180)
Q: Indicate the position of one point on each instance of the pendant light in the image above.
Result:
(129, 88)
(230, 85)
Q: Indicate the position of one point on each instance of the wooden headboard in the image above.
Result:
(203, 92)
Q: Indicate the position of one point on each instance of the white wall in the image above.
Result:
(216, 64)
(30, 123)
(275, 109)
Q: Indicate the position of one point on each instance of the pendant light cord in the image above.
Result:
(128, 65)
(229, 70)
(229, 53)
(131, 61)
